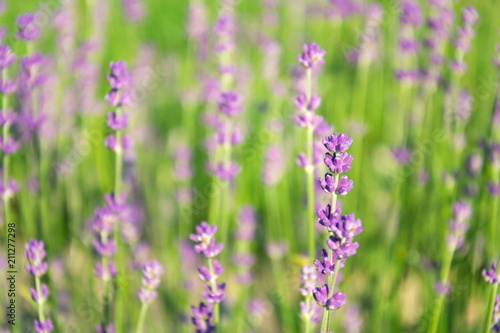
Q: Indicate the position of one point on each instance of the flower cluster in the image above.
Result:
(457, 225)
(369, 41)
(103, 224)
(205, 316)
(35, 253)
(496, 315)
(27, 27)
(118, 97)
(465, 33)
(151, 274)
(337, 161)
(8, 145)
(33, 89)
(309, 311)
(439, 24)
(491, 275)
(410, 20)
(341, 228)
(227, 135)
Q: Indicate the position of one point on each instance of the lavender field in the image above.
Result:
(250, 166)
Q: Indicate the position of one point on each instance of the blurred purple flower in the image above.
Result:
(27, 27)
(152, 272)
(491, 275)
(312, 56)
(35, 253)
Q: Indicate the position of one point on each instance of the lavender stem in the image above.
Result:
(142, 317)
(445, 270)
(41, 300)
(310, 170)
(491, 304)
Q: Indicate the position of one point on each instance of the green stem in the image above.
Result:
(142, 317)
(445, 270)
(117, 189)
(310, 191)
(307, 324)
(310, 170)
(491, 305)
(5, 157)
(332, 280)
(213, 285)
(40, 302)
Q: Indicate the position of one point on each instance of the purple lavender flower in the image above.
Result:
(341, 229)
(35, 253)
(274, 166)
(494, 189)
(203, 318)
(119, 77)
(338, 162)
(327, 265)
(9, 190)
(42, 296)
(230, 103)
(150, 281)
(411, 13)
(7, 58)
(337, 143)
(133, 9)
(474, 164)
(320, 294)
(214, 291)
(312, 56)
(43, 326)
(109, 328)
(27, 28)
(491, 275)
(401, 155)
(308, 278)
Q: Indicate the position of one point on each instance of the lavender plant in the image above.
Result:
(493, 311)
(152, 272)
(35, 254)
(311, 59)
(341, 229)
(206, 317)
(8, 145)
(461, 212)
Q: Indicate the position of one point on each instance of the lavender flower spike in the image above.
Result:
(341, 228)
(461, 212)
(203, 319)
(312, 56)
(35, 253)
(28, 29)
(491, 275)
(150, 281)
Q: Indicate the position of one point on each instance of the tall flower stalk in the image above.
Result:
(7, 144)
(340, 228)
(492, 276)
(152, 272)
(311, 58)
(454, 240)
(206, 317)
(35, 253)
(310, 313)
(117, 120)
